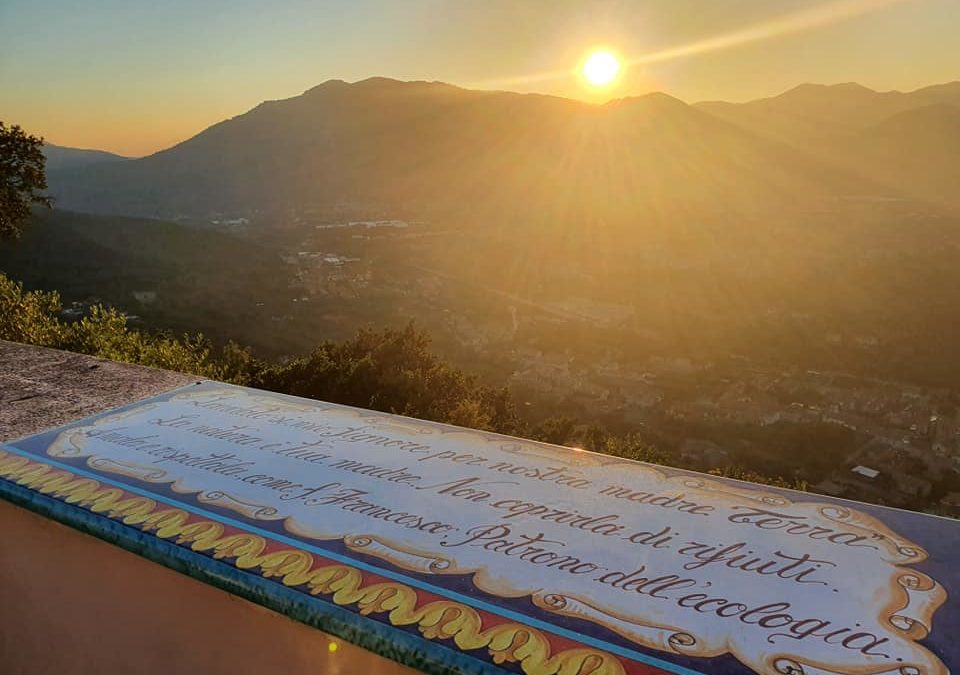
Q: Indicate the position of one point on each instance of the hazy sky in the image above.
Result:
(133, 76)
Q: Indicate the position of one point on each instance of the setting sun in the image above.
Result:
(601, 68)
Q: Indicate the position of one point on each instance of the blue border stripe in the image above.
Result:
(474, 602)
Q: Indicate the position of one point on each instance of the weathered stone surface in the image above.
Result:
(41, 388)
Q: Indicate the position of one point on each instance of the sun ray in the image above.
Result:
(805, 19)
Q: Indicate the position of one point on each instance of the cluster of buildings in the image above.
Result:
(904, 445)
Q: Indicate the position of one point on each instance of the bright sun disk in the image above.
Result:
(601, 68)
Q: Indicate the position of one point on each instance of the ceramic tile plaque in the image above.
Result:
(443, 547)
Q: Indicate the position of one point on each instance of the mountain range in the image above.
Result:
(910, 141)
(430, 147)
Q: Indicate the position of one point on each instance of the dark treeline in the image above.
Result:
(390, 370)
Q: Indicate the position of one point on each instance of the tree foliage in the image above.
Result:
(22, 178)
(33, 318)
(740, 473)
(393, 371)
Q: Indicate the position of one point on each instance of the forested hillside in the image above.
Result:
(168, 275)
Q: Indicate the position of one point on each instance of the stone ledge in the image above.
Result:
(42, 388)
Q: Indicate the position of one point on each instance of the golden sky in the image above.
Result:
(134, 77)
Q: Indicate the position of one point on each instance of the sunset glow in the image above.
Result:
(695, 51)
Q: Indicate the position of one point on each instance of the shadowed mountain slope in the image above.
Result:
(431, 145)
(905, 141)
(59, 157)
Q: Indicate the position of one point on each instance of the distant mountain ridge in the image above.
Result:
(833, 109)
(60, 157)
(904, 139)
(516, 156)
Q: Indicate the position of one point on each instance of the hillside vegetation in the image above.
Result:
(388, 370)
(185, 278)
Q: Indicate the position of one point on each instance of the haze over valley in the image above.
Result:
(743, 283)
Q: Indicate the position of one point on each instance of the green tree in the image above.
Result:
(393, 371)
(740, 473)
(22, 178)
(629, 446)
(31, 317)
(556, 430)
